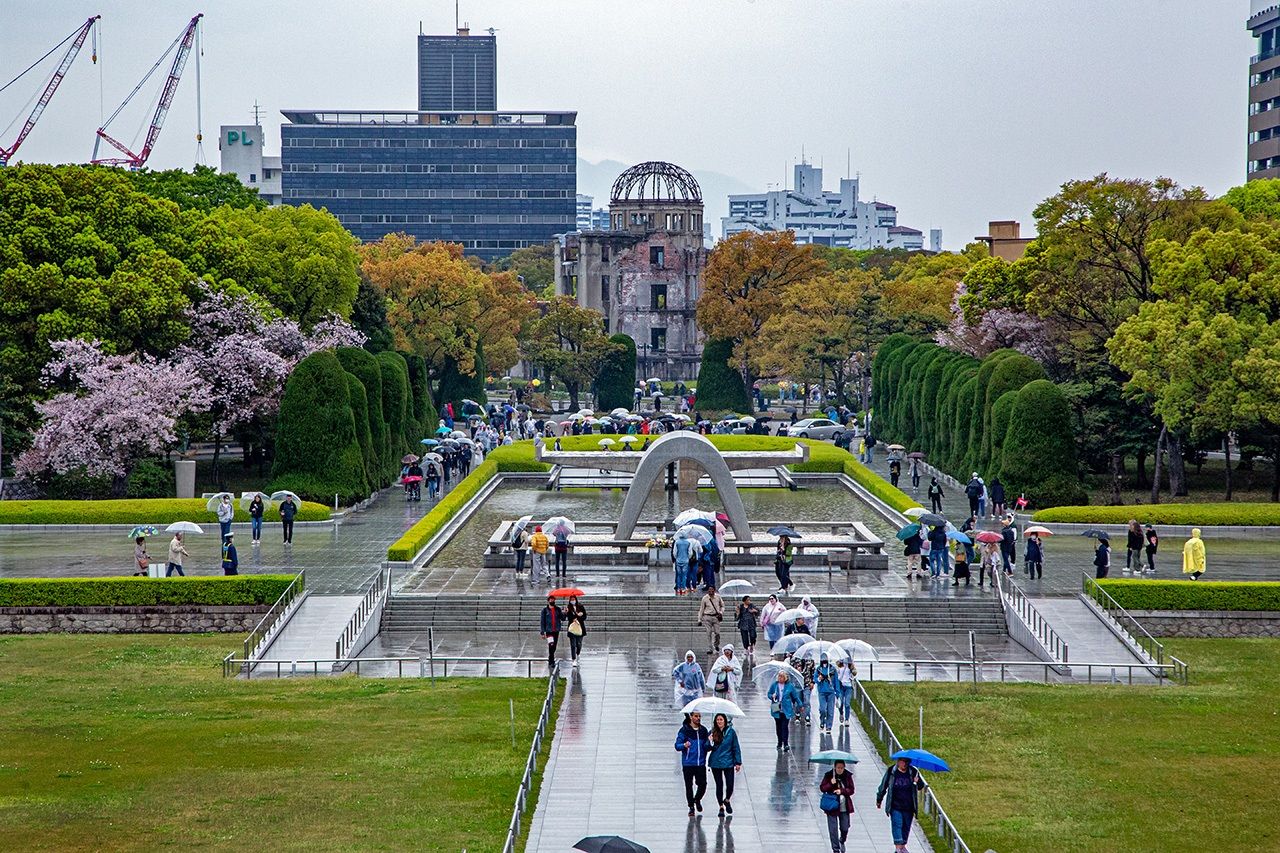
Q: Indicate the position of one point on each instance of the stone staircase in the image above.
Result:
(840, 616)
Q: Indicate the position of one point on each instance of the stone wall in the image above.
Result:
(185, 619)
(1209, 623)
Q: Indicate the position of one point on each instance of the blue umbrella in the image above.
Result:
(907, 532)
(923, 759)
(429, 442)
(829, 756)
(957, 536)
(782, 530)
(703, 522)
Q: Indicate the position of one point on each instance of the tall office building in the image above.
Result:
(1264, 91)
(458, 72)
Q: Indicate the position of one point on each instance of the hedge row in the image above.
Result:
(141, 592)
(1193, 515)
(404, 548)
(1201, 595)
(721, 387)
(133, 511)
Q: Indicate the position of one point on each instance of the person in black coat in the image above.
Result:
(935, 495)
(1102, 558)
(997, 496)
(838, 782)
(1153, 543)
(1034, 557)
(1008, 545)
(550, 626)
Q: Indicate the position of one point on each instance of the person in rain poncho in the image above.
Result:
(1193, 555)
(688, 680)
(825, 676)
(807, 606)
(726, 674)
(769, 620)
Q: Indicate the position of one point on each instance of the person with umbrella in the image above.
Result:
(432, 477)
(141, 560)
(782, 561)
(520, 545)
(538, 544)
(825, 677)
(176, 552)
(576, 615)
(938, 549)
(810, 612)
(1008, 545)
(895, 471)
(745, 617)
(915, 471)
(1034, 557)
(230, 559)
(973, 491)
(962, 554)
(226, 512)
(911, 549)
(725, 760)
(688, 678)
(710, 615)
(1102, 557)
(969, 528)
(784, 699)
(561, 551)
(550, 626)
(988, 564)
(413, 475)
(837, 802)
(897, 795)
(288, 511)
(726, 675)
(1192, 556)
(935, 495)
(845, 671)
(693, 743)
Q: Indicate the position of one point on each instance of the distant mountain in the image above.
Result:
(596, 179)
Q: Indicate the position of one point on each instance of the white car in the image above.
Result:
(814, 428)
(732, 426)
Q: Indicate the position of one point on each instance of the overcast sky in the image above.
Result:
(956, 111)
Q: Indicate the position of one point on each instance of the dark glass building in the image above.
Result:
(1264, 91)
(494, 182)
(457, 72)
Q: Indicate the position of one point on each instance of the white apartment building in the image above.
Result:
(591, 218)
(823, 217)
(240, 153)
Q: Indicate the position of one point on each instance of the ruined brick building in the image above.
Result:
(644, 274)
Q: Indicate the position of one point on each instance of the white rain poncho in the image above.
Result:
(731, 668)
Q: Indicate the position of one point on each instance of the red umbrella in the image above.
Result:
(989, 536)
(566, 592)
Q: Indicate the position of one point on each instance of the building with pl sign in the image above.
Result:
(644, 273)
(822, 217)
(241, 154)
(458, 72)
(1264, 91)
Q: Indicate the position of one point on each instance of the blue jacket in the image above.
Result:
(689, 676)
(728, 754)
(552, 620)
(788, 700)
(699, 741)
(826, 676)
(680, 551)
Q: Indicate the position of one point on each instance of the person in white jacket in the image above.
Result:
(226, 512)
(812, 619)
(769, 621)
(726, 675)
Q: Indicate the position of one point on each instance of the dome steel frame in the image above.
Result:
(655, 182)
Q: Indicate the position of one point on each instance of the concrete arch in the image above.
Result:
(676, 447)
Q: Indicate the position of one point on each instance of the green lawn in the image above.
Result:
(1056, 768)
(137, 743)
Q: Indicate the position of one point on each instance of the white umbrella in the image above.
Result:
(636, 418)
(654, 379)
(432, 457)
(709, 706)
(606, 442)
(212, 503)
(587, 413)
(628, 439)
(736, 584)
(747, 419)
(689, 515)
(684, 418)
(815, 649)
(768, 671)
(521, 523)
(557, 523)
(695, 532)
(465, 442)
(793, 614)
(282, 494)
(246, 498)
(790, 643)
(859, 650)
(457, 433)
(184, 527)
(658, 394)
(916, 512)
(620, 412)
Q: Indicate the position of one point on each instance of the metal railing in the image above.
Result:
(1125, 621)
(1021, 604)
(1008, 670)
(530, 767)
(417, 667)
(370, 604)
(930, 808)
(267, 624)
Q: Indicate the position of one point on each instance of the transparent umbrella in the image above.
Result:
(556, 524)
(212, 503)
(790, 643)
(709, 706)
(815, 649)
(859, 650)
(768, 672)
(247, 498)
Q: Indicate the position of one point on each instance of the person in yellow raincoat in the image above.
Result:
(1193, 555)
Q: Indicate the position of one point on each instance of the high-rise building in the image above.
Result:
(240, 153)
(1264, 91)
(591, 218)
(458, 72)
(822, 217)
(494, 182)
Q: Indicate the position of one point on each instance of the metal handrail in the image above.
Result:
(267, 623)
(425, 666)
(978, 670)
(1018, 600)
(930, 806)
(1126, 622)
(376, 595)
(530, 766)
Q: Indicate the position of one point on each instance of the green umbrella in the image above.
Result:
(143, 530)
(907, 532)
(830, 756)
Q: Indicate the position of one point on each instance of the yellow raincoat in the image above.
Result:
(1193, 553)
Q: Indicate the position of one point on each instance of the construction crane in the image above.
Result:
(183, 44)
(77, 40)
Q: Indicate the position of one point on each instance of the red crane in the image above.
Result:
(183, 44)
(77, 41)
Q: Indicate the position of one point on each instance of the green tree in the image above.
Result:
(395, 402)
(534, 265)
(1039, 454)
(617, 376)
(317, 452)
(364, 367)
(1012, 372)
(424, 410)
(360, 415)
(720, 385)
(568, 342)
(369, 316)
(203, 188)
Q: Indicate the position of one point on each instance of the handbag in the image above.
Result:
(775, 707)
(722, 682)
(830, 803)
(575, 628)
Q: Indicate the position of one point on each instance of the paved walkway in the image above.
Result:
(1087, 638)
(314, 628)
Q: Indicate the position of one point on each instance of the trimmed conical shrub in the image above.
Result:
(360, 412)
(720, 385)
(363, 366)
(395, 402)
(617, 379)
(317, 452)
(423, 409)
(1039, 454)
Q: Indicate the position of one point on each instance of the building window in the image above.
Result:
(677, 222)
(606, 325)
(657, 256)
(253, 178)
(604, 289)
(658, 297)
(573, 285)
(604, 254)
(658, 339)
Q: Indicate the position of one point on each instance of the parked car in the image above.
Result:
(815, 428)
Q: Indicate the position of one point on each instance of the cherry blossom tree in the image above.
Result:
(993, 329)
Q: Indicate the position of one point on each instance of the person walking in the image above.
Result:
(538, 544)
(745, 618)
(915, 474)
(681, 551)
(1102, 558)
(288, 511)
(938, 551)
(1153, 544)
(576, 617)
(1133, 545)
(256, 510)
(973, 491)
(689, 680)
(433, 481)
(520, 546)
(725, 760)
(895, 471)
(897, 795)
(970, 529)
(1008, 545)
(962, 554)
(230, 559)
(783, 700)
(141, 560)
(176, 552)
(811, 614)
(726, 675)
(935, 495)
(693, 742)
(226, 512)
(837, 803)
(824, 676)
(989, 563)
(982, 499)
(845, 673)
(1193, 555)
(911, 549)
(997, 496)
(561, 549)
(551, 625)
(769, 620)
(710, 615)
(782, 560)
(1034, 557)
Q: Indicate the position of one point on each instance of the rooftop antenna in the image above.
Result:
(848, 163)
(257, 113)
(456, 17)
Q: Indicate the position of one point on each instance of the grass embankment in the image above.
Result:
(136, 511)
(1072, 767)
(1202, 595)
(1196, 515)
(138, 743)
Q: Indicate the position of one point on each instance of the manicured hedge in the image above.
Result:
(1195, 515)
(317, 454)
(360, 414)
(617, 379)
(140, 592)
(134, 511)
(364, 367)
(396, 407)
(404, 548)
(1039, 454)
(1201, 595)
(720, 385)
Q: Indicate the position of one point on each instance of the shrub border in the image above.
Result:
(1185, 515)
(132, 511)
(235, 590)
(1201, 595)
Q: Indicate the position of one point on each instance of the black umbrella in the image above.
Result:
(1095, 533)
(782, 530)
(609, 844)
(915, 454)
(932, 519)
